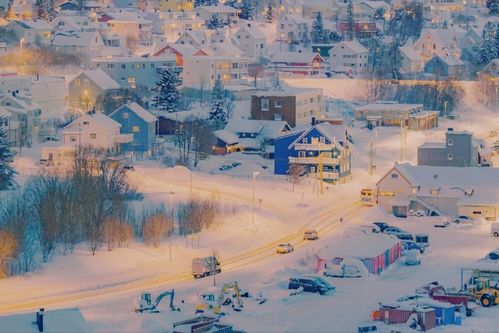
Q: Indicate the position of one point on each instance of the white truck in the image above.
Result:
(202, 267)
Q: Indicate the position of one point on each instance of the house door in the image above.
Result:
(51, 157)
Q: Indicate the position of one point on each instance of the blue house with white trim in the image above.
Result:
(134, 119)
(321, 145)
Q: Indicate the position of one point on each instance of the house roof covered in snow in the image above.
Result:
(388, 107)
(296, 57)
(358, 246)
(410, 53)
(268, 128)
(219, 9)
(226, 136)
(286, 91)
(449, 60)
(80, 38)
(252, 30)
(352, 45)
(93, 119)
(333, 133)
(139, 111)
(55, 321)
(100, 78)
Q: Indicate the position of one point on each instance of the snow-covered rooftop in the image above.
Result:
(55, 321)
(359, 246)
(100, 78)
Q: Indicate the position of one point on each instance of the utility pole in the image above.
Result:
(371, 159)
(403, 140)
(172, 194)
(255, 173)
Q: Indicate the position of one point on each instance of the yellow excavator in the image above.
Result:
(230, 294)
(486, 291)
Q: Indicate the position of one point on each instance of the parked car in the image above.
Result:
(381, 226)
(285, 248)
(310, 234)
(412, 258)
(348, 268)
(463, 219)
(311, 284)
(444, 223)
(494, 229)
(394, 231)
(416, 212)
(43, 162)
(129, 167)
(405, 237)
(410, 245)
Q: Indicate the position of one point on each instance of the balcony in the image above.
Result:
(313, 160)
(314, 146)
(124, 138)
(325, 175)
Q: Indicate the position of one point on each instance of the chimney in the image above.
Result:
(13, 94)
(313, 121)
(39, 319)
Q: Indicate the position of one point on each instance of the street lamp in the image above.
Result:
(172, 194)
(255, 173)
(21, 41)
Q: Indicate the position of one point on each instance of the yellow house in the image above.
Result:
(176, 5)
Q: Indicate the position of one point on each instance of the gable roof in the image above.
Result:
(81, 38)
(253, 31)
(219, 9)
(96, 119)
(270, 128)
(138, 110)
(226, 136)
(55, 321)
(361, 246)
(330, 132)
(100, 78)
(353, 45)
(449, 60)
(410, 53)
(296, 57)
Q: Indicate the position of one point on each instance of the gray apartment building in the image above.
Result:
(133, 71)
(458, 150)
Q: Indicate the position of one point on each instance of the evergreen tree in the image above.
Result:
(269, 12)
(493, 7)
(318, 35)
(496, 42)
(7, 173)
(350, 21)
(247, 10)
(44, 10)
(215, 22)
(167, 95)
(218, 105)
(488, 50)
(198, 3)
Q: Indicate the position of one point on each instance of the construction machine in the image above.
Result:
(146, 304)
(485, 290)
(230, 294)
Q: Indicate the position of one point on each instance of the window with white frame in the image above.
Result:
(450, 156)
(264, 104)
(278, 103)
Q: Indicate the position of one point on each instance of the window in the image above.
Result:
(86, 123)
(125, 115)
(152, 65)
(387, 193)
(72, 138)
(450, 142)
(123, 66)
(235, 65)
(86, 82)
(450, 156)
(477, 212)
(77, 82)
(110, 66)
(278, 103)
(122, 78)
(135, 129)
(93, 136)
(264, 104)
(394, 175)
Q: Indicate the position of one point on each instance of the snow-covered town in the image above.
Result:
(228, 166)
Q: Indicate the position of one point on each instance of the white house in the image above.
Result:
(24, 120)
(470, 191)
(439, 42)
(31, 32)
(75, 23)
(293, 28)
(410, 60)
(130, 26)
(174, 24)
(93, 130)
(197, 38)
(368, 8)
(225, 13)
(349, 57)
(251, 40)
(82, 42)
(206, 65)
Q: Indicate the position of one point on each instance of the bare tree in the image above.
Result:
(156, 226)
(8, 251)
(373, 89)
(296, 172)
(131, 43)
(193, 138)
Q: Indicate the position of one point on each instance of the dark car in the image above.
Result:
(381, 225)
(311, 284)
(410, 245)
(405, 237)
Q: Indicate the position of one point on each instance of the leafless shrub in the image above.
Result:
(8, 251)
(196, 214)
(156, 226)
(296, 172)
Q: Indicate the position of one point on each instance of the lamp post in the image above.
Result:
(255, 173)
(172, 194)
(21, 41)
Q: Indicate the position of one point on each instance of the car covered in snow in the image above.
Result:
(412, 258)
(380, 226)
(285, 248)
(347, 268)
(462, 219)
(411, 245)
(311, 284)
(310, 234)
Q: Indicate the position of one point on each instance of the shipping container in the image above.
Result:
(426, 317)
(391, 315)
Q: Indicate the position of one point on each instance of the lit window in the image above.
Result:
(135, 129)
(125, 115)
(386, 193)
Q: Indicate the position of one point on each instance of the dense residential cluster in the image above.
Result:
(111, 109)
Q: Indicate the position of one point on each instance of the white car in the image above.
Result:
(285, 248)
(310, 234)
(463, 219)
(494, 229)
(412, 258)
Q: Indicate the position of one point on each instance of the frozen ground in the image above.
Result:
(106, 285)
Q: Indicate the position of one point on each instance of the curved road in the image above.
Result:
(324, 222)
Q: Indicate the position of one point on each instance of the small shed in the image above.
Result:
(445, 313)
(226, 142)
(400, 314)
(376, 251)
